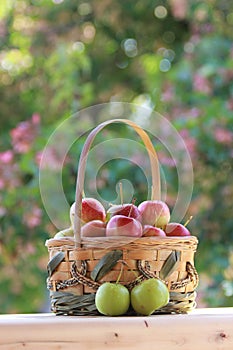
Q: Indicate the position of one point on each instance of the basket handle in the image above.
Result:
(156, 190)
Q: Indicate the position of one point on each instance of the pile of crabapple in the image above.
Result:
(149, 218)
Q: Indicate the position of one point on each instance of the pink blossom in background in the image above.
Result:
(36, 119)
(207, 28)
(9, 171)
(230, 104)
(190, 142)
(166, 159)
(195, 38)
(179, 8)
(29, 248)
(226, 74)
(223, 136)
(194, 112)
(2, 210)
(168, 93)
(201, 84)
(32, 218)
(184, 113)
(52, 160)
(6, 157)
(23, 135)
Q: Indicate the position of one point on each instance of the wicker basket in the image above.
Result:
(73, 259)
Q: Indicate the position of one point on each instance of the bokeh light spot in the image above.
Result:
(168, 37)
(130, 47)
(89, 31)
(78, 46)
(57, 2)
(164, 65)
(188, 47)
(160, 12)
(84, 9)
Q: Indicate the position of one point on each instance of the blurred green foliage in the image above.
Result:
(60, 56)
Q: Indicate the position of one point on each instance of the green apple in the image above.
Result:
(68, 232)
(148, 296)
(112, 299)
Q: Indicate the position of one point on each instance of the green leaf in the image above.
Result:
(65, 303)
(170, 264)
(54, 262)
(105, 264)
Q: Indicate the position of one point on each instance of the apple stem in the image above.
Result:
(152, 193)
(131, 208)
(119, 276)
(121, 193)
(125, 263)
(188, 221)
(134, 200)
(130, 211)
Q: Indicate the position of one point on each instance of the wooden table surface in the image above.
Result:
(207, 329)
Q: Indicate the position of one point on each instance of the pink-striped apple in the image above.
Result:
(155, 213)
(120, 225)
(92, 209)
(149, 230)
(128, 209)
(94, 228)
(176, 229)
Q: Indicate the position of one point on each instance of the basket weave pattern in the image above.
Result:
(143, 257)
(149, 251)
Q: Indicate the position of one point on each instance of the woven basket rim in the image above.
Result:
(188, 242)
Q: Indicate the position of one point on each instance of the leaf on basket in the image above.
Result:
(105, 264)
(65, 303)
(54, 262)
(169, 264)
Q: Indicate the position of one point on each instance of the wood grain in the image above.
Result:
(209, 329)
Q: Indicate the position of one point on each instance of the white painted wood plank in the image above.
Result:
(202, 329)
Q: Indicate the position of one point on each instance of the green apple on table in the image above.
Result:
(112, 299)
(149, 296)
